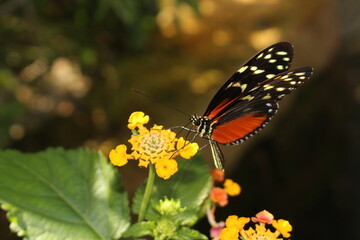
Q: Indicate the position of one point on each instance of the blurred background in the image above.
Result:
(67, 69)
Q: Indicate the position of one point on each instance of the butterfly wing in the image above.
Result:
(261, 67)
(250, 112)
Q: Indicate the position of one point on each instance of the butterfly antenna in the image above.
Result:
(161, 103)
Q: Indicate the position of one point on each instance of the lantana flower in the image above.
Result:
(220, 195)
(156, 146)
(232, 188)
(263, 230)
(263, 217)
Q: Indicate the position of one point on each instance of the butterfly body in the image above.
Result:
(249, 99)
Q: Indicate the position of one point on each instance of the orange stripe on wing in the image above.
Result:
(237, 128)
(220, 107)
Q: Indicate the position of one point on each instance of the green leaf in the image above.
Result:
(58, 194)
(186, 233)
(191, 184)
(140, 229)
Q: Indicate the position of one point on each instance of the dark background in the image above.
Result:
(67, 69)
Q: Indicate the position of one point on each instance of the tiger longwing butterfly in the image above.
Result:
(249, 99)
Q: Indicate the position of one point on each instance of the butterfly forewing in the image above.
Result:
(249, 99)
(249, 113)
(263, 66)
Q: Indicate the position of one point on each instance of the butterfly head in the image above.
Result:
(203, 123)
(195, 119)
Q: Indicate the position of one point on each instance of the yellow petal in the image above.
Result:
(232, 188)
(283, 226)
(143, 163)
(138, 119)
(165, 168)
(118, 156)
(186, 149)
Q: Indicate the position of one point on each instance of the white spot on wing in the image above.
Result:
(280, 67)
(259, 71)
(266, 97)
(248, 97)
(299, 73)
(243, 87)
(267, 87)
(241, 70)
(268, 56)
(281, 53)
(270, 76)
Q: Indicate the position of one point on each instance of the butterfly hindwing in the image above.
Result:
(261, 67)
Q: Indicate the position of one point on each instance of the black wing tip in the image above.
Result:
(283, 44)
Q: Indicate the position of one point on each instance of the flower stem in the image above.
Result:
(147, 193)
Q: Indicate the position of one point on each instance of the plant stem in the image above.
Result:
(147, 193)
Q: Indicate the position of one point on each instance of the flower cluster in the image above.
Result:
(263, 221)
(220, 195)
(155, 145)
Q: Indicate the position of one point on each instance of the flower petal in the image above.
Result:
(218, 195)
(263, 217)
(232, 188)
(186, 149)
(166, 167)
(118, 156)
(283, 226)
(138, 119)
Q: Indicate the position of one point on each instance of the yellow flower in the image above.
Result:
(260, 232)
(262, 219)
(137, 119)
(153, 145)
(229, 233)
(156, 146)
(186, 149)
(283, 227)
(166, 167)
(235, 221)
(231, 220)
(232, 188)
(118, 156)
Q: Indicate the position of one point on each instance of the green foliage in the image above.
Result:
(189, 202)
(58, 194)
(76, 194)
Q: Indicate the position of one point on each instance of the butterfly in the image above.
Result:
(249, 99)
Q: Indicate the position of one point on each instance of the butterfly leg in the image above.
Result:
(219, 160)
(184, 128)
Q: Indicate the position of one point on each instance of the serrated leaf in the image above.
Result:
(191, 184)
(59, 194)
